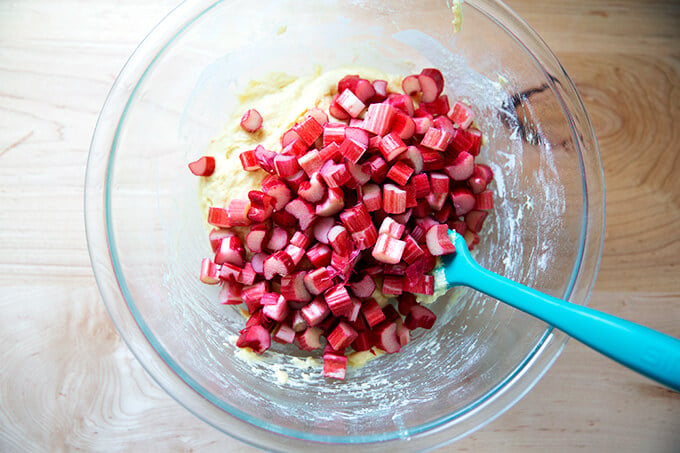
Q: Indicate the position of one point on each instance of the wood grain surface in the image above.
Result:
(67, 381)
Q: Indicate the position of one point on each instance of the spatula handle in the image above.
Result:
(650, 353)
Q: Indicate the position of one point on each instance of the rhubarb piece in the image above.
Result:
(286, 166)
(392, 228)
(423, 285)
(338, 300)
(462, 115)
(439, 183)
(436, 200)
(410, 85)
(303, 211)
(216, 235)
(436, 139)
(332, 203)
(218, 217)
(462, 166)
(249, 160)
(372, 312)
(309, 339)
(278, 239)
(365, 238)
(431, 84)
(308, 130)
(400, 173)
(319, 255)
(350, 103)
(438, 108)
(363, 342)
(340, 240)
(278, 311)
(474, 220)
(342, 336)
(283, 334)
(419, 316)
(293, 287)
(210, 272)
(336, 110)
(353, 313)
(251, 121)
(296, 253)
(377, 168)
(371, 197)
(380, 87)
(318, 281)
(364, 287)
(204, 166)
(463, 201)
(405, 302)
(280, 263)
(277, 189)
(402, 102)
(313, 190)
(298, 323)
(391, 146)
(421, 125)
(247, 275)
(230, 293)
(315, 312)
(311, 162)
(254, 337)
(379, 118)
(230, 251)
(257, 261)
(386, 337)
(334, 366)
(261, 206)
(237, 212)
(388, 249)
(364, 90)
(252, 295)
(393, 285)
(432, 160)
(394, 199)
(284, 219)
(356, 219)
(438, 240)
(333, 133)
(229, 272)
(484, 200)
(352, 150)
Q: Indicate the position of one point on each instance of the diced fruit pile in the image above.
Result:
(353, 204)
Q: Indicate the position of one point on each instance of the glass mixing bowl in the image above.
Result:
(147, 237)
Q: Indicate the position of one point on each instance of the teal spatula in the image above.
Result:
(650, 353)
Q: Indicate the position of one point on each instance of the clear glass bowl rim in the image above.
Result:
(256, 432)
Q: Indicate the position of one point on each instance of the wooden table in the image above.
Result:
(67, 379)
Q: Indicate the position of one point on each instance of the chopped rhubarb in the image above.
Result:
(419, 316)
(400, 173)
(338, 300)
(342, 336)
(379, 118)
(251, 120)
(388, 249)
(204, 166)
(364, 287)
(254, 337)
(210, 272)
(462, 115)
(334, 366)
(392, 146)
(350, 103)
